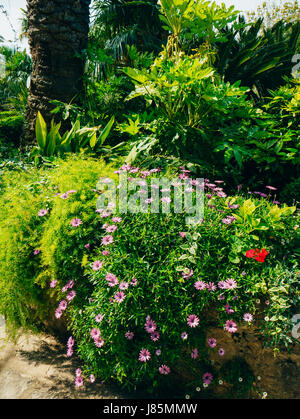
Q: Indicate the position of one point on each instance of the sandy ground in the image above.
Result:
(36, 367)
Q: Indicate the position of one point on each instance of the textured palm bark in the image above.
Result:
(57, 34)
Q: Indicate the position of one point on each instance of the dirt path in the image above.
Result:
(37, 368)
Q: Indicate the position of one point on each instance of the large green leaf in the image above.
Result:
(41, 131)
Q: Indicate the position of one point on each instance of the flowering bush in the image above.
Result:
(137, 291)
(155, 284)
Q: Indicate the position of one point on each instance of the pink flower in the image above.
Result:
(222, 285)
(158, 352)
(112, 280)
(71, 295)
(62, 305)
(207, 378)
(182, 234)
(150, 326)
(194, 353)
(107, 240)
(78, 372)
(105, 252)
(95, 333)
(36, 251)
(200, 285)
(70, 342)
(211, 286)
(99, 342)
(119, 296)
(99, 318)
(116, 219)
(192, 320)
(53, 283)
(111, 229)
(154, 336)
(78, 382)
(164, 370)
(166, 199)
(133, 282)
(58, 313)
(271, 188)
(221, 352)
(76, 222)
(212, 342)
(184, 335)
(228, 309)
(105, 214)
(92, 378)
(230, 283)
(248, 317)
(42, 212)
(230, 326)
(97, 265)
(70, 352)
(87, 246)
(144, 355)
(129, 335)
(123, 286)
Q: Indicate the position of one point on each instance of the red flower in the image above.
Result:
(261, 255)
(250, 253)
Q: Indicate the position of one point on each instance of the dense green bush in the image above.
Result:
(151, 271)
(30, 241)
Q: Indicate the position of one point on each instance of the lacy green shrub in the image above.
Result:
(152, 285)
(37, 243)
(23, 196)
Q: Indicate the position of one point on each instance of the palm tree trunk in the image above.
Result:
(57, 34)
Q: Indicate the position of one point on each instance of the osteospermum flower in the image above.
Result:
(123, 286)
(70, 352)
(105, 252)
(62, 305)
(107, 240)
(200, 285)
(36, 251)
(230, 283)
(164, 370)
(76, 222)
(78, 382)
(230, 326)
(221, 352)
(154, 336)
(99, 342)
(194, 353)
(119, 296)
(129, 335)
(184, 335)
(99, 318)
(70, 342)
(248, 317)
(111, 228)
(207, 378)
(58, 313)
(192, 320)
(166, 199)
(97, 265)
(133, 282)
(212, 342)
(53, 283)
(144, 355)
(71, 295)
(222, 285)
(150, 326)
(105, 214)
(112, 280)
(95, 333)
(116, 219)
(158, 352)
(92, 378)
(182, 234)
(78, 372)
(211, 286)
(42, 212)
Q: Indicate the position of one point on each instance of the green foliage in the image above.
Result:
(25, 299)
(51, 143)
